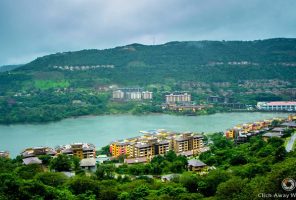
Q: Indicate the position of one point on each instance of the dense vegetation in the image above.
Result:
(241, 172)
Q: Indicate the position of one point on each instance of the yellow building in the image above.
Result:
(157, 144)
(163, 147)
(80, 150)
(143, 150)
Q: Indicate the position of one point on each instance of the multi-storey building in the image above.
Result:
(131, 94)
(120, 148)
(277, 106)
(158, 143)
(163, 146)
(80, 150)
(177, 98)
(143, 150)
(38, 151)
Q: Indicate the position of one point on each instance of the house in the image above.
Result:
(32, 160)
(278, 130)
(4, 154)
(102, 158)
(291, 124)
(268, 135)
(135, 160)
(88, 164)
(196, 165)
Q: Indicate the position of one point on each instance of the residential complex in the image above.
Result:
(80, 150)
(158, 143)
(131, 94)
(266, 128)
(247, 128)
(277, 106)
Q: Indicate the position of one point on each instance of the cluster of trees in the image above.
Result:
(241, 172)
(169, 163)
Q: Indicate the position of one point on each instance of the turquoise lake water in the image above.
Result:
(101, 130)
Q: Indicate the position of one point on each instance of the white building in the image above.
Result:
(147, 95)
(173, 98)
(135, 95)
(131, 94)
(277, 105)
(118, 94)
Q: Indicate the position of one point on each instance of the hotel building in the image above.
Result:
(277, 106)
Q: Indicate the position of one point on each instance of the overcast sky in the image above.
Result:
(31, 28)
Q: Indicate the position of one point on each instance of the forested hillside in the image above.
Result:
(188, 61)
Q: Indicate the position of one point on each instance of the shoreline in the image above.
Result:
(141, 114)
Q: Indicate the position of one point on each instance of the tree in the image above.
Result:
(139, 192)
(280, 154)
(82, 185)
(105, 171)
(170, 156)
(45, 159)
(61, 163)
(28, 171)
(52, 178)
(189, 181)
(238, 159)
(231, 189)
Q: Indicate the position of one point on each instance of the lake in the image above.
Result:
(101, 130)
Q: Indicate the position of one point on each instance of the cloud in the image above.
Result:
(30, 28)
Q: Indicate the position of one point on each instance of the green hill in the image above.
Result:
(207, 61)
(49, 87)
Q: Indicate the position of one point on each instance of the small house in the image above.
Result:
(196, 165)
(32, 160)
(88, 164)
(268, 135)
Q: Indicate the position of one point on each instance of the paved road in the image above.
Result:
(289, 145)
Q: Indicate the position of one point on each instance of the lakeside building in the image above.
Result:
(38, 151)
(157, 143)
(277, 106)
(131, 94)
(177, 98)
(80, 150)
(240, 133)
(4, 154)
